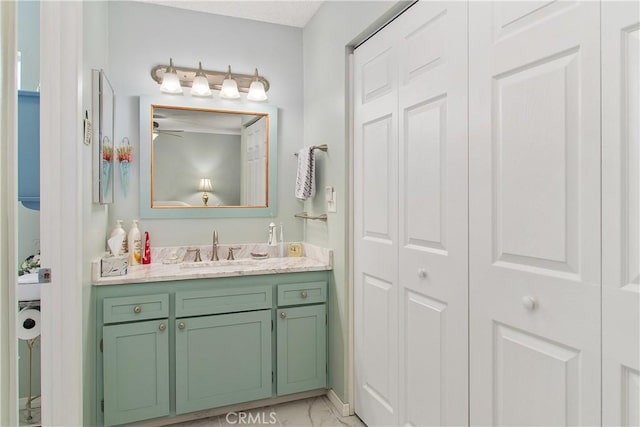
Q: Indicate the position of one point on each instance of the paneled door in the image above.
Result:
(222, 360)
(534, 126)
(136, 371)
(620, 214)
(254, 163)
(410, 207)
(301, 348)
(375, 210)
(433, 241)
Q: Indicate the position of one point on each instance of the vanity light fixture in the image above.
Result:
(206, 187)
(200, 85)
(256, 90)
(170, 80)
(229, 87)
(217, 80)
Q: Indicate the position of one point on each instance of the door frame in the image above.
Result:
(8, 216)
(60, 213)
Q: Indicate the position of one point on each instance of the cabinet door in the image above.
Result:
(136, 371)
(302, 349)
(222, 359)
(534, 204)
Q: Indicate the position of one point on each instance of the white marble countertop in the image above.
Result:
(314, 259)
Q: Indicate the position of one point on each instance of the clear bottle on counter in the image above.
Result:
(119, 231)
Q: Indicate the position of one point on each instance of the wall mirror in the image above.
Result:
(207, 158)
(103, 110)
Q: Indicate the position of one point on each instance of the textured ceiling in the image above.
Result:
(292, 13)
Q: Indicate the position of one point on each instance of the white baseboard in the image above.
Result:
(342, 407)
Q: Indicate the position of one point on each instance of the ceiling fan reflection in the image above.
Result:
(171, 132)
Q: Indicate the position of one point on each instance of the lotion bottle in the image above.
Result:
(135, 244)
(146, 259)
(119, 231)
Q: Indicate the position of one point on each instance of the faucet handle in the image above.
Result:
(230, 256)
(197, 251)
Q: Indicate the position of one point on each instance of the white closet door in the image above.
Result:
(433, 242)
(376, 230)
(620, 214)
(254, 162)
(410, 207)
(534, 125)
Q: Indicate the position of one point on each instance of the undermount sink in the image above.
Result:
(221, 263)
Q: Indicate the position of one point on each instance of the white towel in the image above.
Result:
(305, 178)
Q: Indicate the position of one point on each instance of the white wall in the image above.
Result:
(29, 44)
(144, 35)
(326, 37)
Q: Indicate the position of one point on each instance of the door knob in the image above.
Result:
(283, 315)
(529, 302)
(162, 327)
(181, 325)
(422, 273)
(137, 309)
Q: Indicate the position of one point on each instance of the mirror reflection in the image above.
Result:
(208, 158)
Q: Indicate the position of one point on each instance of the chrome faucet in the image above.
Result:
(197, 257)
(214, 251)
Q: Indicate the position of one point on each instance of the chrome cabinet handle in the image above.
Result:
(283, 315)
(181, 325)
(303, 294)
(422, 273)
(137, 309)
(162, 327)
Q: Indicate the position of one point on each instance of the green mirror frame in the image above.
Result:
(147, 103)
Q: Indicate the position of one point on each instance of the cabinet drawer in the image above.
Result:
(141, 307)
(198, 303)
(302, 293)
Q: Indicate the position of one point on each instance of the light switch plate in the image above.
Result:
(330, 198)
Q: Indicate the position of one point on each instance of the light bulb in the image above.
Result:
(256, 90)
(200, 86)
(170, 80)
(229, 87)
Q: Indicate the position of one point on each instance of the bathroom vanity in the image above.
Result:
(174, 339)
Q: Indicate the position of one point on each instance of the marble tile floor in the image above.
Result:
(312, 412)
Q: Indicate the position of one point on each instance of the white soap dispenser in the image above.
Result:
(119, 231)
(273, 238)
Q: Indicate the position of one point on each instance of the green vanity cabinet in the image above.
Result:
(136, 371)
(168, 348)
(222, 359)
(302, 337)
